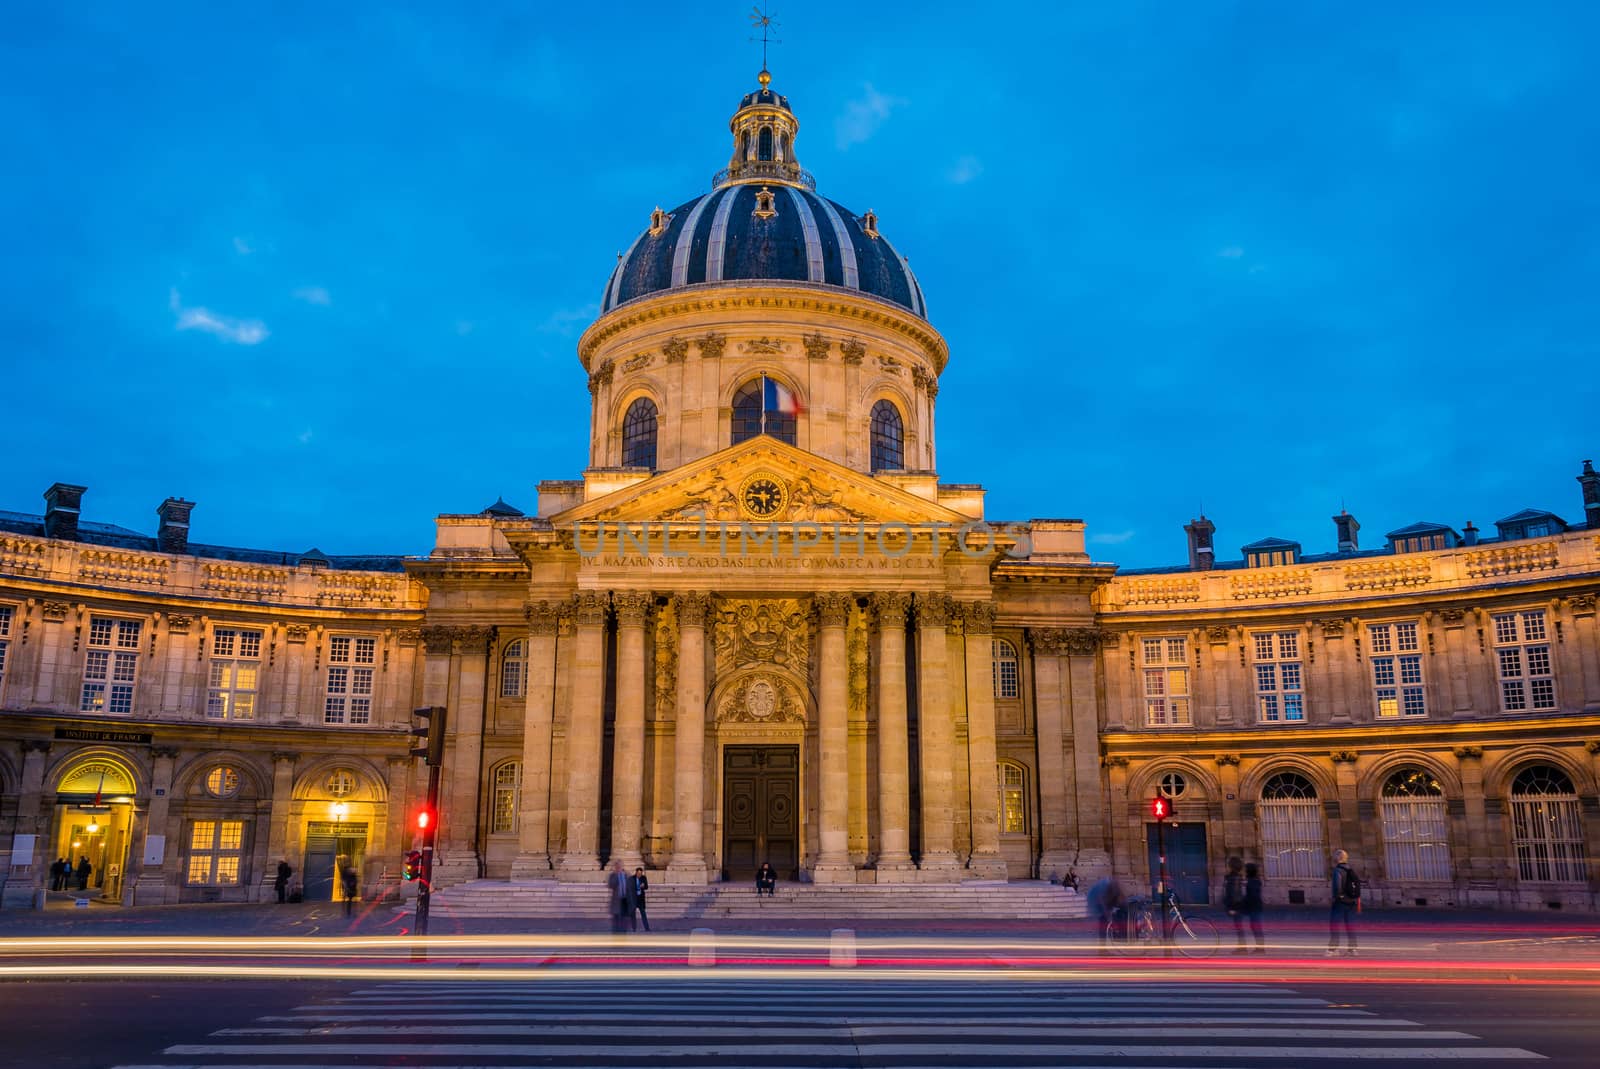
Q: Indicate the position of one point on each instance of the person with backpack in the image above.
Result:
(1233, 901)
(1346, 888)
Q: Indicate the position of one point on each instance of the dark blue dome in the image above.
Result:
(803, 238)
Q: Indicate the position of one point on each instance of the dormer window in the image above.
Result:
(1271, 553)
(765, 208)
(658, 222)
(869, 224)
(1422, 537)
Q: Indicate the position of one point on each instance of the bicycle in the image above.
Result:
(1138, 928)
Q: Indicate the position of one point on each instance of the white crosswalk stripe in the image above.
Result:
(821, 1024)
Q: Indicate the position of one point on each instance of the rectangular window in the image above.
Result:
(1280, 691)
(1013, 804)
(215, 849)
(6, 612)
(1166, 681)
(110, 666)
(1397, 670)
(1522, 658)
(235, 666)
(1291, 838)
(1004, 667)
(506, 781)
(350, 679)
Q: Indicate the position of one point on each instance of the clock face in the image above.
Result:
(763, 495)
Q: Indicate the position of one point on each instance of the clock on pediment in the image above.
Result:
(763, 495)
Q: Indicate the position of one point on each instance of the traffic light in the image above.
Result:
(413, 865)
(424, 819)
(1160, 808)
(431, 732)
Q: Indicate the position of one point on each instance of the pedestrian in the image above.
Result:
(280, 883)
(1105, 901)
(58, 874)
(350, 882)
(1070, 880)
(637, 886)
(1346, 892)
(85, 870)
(617, 885)
(1233, 901)
(1253, 904)
(766, 880)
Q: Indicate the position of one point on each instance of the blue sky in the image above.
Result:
(323, 270)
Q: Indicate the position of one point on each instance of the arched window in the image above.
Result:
(1291, 828)
(747, 416)
(507, 781)
(888, 438)
(1012, 779)
(765, 143)
(639, 435)
(1415, 843)
(1005, 669)
(514, 670)
(1546, 826)
(745, 149)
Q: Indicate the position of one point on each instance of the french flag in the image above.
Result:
(779, 399)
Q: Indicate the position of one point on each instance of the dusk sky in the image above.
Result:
(322, 267)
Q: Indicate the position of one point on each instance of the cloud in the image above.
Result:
(1112, 538)
(242, 247)
(313, 295)
(568, 321)
(242, 331)
(1231, 252)
(966, 169)
(863, 116)
(304, 437)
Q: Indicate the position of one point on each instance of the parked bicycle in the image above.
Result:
(1140, 928)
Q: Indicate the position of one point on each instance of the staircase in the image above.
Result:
(976, 900)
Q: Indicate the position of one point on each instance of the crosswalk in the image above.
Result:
(819, 1024)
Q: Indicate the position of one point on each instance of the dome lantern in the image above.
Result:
(764, 129)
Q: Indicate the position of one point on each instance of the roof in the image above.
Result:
(1530, 514)
(1271, 543)
(1421, 527)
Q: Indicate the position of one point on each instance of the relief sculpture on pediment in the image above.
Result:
(761, 699)
(772, 631)
(711, 500)
(808, 502)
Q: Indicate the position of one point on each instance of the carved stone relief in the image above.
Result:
(762, 699)
(762, 631)
(816, 346)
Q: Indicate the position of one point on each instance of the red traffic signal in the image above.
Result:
(413, 865)
(1160, 807)
(424, 818)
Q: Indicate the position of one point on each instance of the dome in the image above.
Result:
(774, 232)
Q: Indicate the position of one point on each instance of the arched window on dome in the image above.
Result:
(888, 438)
(639, 435)
(744, 151)
(766, 144)
(747, 417)
(783, 147)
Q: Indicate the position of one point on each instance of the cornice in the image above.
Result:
(1370, 739)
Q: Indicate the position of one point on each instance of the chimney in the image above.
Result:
(173, 537)
(1348, 528)
(1200, 552)
(61, 504)
(1590, 481)
(1469, 535)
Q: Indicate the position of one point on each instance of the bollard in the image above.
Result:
(702, 947)
(842, 948)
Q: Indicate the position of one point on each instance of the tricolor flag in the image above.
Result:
(778, 399)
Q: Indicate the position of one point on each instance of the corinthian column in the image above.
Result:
(981, 756)
(584, 736)
(627, 767)
(833, 743)
(533, 824)
(894, 777)
(936, 737)
(688, 864)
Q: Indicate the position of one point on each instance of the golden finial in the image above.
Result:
(765, 78)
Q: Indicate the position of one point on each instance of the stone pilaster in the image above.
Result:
(30, 804)
(627, 767)
(936, 738)
(533, 823)
(894, 776)
(1472, 833)
(281, 824)
(1233, 831)
(1587, 641)
(151, 887)
(458, 859)
(1082, 646)
(1349, 823)
(688, 863)
(985, 861)
(1055, 820)
(1456, 640)
(833, 739)
(584, 736)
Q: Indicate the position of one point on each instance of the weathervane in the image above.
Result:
(761, 19)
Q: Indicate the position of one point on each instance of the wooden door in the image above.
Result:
(760, 810)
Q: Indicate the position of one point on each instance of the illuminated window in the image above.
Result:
(6, 612)
(514, 670)
(235, 666)
(111, 666)
(1005, 669)
(1397, 670)
(341, 783)
(215, 848)
(1012, 779)
(1547, 827)
(507, 780)
(222, 782)
(1291, 827)
(350, 678)
(1173, 784)
(1522, 654)
(888, 438)
(639, 435)
(1166, 681)
(748, 406)
(1415, 843)
(1280, 692)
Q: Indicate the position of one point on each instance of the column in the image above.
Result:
(584, 737)
(1455, 644)
(894, 775)
(1050, 731)
(533, 817)
(35, 754)
(1127, 832)
(688, 864)
(855, 638)
(462, 790)
(1233, 833)
(833, 742)
(1089, 800)
(1473, 851)
(151, 888)
(1346, 835)
(985, 861)
(935, 735)
(279, 843)
(627, 766)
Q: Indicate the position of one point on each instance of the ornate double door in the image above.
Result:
(760, 810)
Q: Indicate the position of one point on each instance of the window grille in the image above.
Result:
(1547, 827)
(1291, 828)
(1416, 844)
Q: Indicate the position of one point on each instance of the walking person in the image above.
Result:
(1254, 906)
(85, 870)
(280, 883)
(617, 884)
(1346, 889)
(638, 884)
(1233, 901)
(1105, 901)
(350, 882)
(58, 874)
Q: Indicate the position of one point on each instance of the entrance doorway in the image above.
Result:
(760, 810)
(93, 824)
(1187, 873)
(326, 843)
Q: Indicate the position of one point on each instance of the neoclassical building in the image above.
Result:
(760, 628)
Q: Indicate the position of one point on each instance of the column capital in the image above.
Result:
(543, 616)
(1344, 757)
(933, 610)
(632, 607)
(1475, 753)
(473, 639)
(589, 608)
(169, 752)
(891, 608)
(833, 608)
(439, 639)
(978, 616)
(35, 746)
(281, 757)
(1081, 641)
(1048, 641)
(1581, 604)
(1227, 760)
(692, 608)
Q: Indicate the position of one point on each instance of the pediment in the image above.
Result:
(762, 480)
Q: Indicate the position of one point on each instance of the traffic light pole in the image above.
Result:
(429, 835)
(1161, 884)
